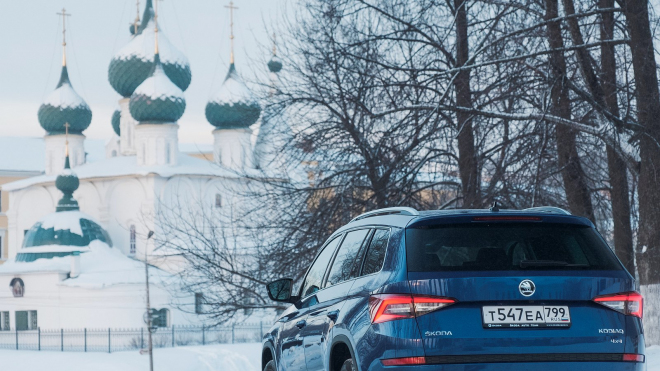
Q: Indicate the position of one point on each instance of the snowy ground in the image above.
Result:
(229, 357)
(226, 357)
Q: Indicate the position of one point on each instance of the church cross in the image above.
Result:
(64, 14)
(66, 142)
(231, 8)
(137, 17)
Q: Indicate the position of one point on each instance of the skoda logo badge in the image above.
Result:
(527, 288)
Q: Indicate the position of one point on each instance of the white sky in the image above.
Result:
(30, 50)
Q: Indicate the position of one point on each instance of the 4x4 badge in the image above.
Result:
(527, 287)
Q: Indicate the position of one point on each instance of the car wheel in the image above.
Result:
(348, 365)
(270, 366)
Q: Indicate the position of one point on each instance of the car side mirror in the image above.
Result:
(280, 290)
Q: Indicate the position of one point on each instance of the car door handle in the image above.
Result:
(333, 315)
(300, 324)
(317, 313)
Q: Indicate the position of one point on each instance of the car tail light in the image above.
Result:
(633, 358)
(406, 361)
(385, 308)
(630, 303)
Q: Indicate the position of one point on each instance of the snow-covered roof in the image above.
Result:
(159, 86)
(65, 97)
(233, 90)
(101, 266)
(142, 47)
(127, 166)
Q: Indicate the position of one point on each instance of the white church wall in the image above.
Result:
(125, 198)
(126, 128)
(55, 151)
(119, 306)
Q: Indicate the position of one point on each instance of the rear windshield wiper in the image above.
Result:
(548, 263)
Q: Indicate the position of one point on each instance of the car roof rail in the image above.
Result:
(548, 209)
(387, 211)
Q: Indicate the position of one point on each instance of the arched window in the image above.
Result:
(218, 200)
(132, 243)
(114, 153)
(160, 318)
(167, 153)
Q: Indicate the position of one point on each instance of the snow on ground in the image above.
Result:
(653, 358)
(225, 357)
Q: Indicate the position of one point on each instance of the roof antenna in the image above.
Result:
(494, 206)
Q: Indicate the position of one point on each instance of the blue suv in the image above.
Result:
(401, 289)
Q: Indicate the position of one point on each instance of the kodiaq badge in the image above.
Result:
(527, 288)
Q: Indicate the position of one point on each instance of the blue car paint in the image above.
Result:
(310, 348)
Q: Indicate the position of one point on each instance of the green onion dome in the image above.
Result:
(274, 64)
(233, 106)
(63, 106)
(157, 99)
(133, 63)
(66, 227)
(116, 117)
(61, 234)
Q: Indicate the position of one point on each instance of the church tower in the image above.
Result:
(64, 112)
(134, 63)
(232, 110)
(157, 104)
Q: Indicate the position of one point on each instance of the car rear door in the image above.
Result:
(292, 351)
(520, 289)
(344, 268)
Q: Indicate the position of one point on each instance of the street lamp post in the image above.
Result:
(149, 324)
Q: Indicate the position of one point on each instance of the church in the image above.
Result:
(78, 235)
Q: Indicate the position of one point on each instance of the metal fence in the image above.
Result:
(114, 340)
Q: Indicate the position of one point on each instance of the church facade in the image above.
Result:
(79, 234)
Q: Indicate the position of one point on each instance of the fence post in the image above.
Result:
(16, 339)
(85, 339)
(142, 338)
(109, 349)
(232, 332)
(172, 336)
(39, 337)
(62, 339)
(203, 336)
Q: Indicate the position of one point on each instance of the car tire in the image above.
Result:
(348, 365)
(270, 366)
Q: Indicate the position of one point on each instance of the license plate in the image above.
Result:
(525, 316)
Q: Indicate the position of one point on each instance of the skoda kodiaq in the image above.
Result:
(401, 289)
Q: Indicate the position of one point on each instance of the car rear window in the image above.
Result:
(507, 246)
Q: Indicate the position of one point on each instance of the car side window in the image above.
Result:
(373, 261)
(314, 278)
(347, 257)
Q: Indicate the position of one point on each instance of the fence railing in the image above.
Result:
(113, 340)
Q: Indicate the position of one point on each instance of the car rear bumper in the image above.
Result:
(527, 366)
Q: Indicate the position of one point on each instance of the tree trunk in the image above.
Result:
(605, 95)
(467, 159)
(575, 185)
(648, 114)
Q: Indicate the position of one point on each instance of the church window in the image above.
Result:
(26, 320)
(114, 153)
(167, 153)
(4, 321)
(199, 302)
(132, 236)
(160, 318)
(218, 200)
